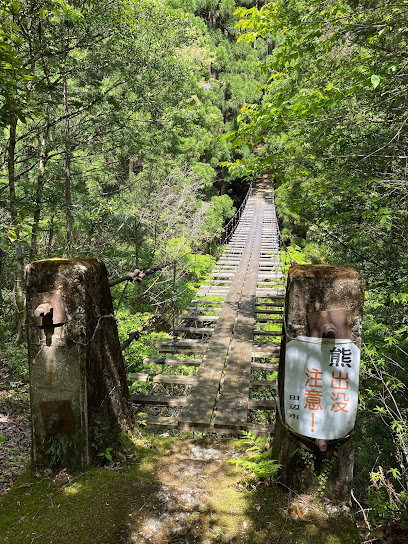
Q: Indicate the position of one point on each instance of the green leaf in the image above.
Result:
(12, 236)
(375, 81)
(4, 244)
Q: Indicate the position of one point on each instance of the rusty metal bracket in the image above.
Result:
(328, 324)
(49, 309)
(57, 416)
(324, 448)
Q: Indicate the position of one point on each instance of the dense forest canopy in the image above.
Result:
(130, 130)
(331, 129)
(111, 114)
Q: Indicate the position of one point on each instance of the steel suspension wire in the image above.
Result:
(137, 276)
(230, 227)
(136, 334)
(168, 304)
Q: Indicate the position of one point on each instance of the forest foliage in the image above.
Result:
(129, 131)
(331, 129)
(110, 113)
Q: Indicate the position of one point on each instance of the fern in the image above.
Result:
(258, 464)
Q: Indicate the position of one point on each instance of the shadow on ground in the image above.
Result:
(178, 491)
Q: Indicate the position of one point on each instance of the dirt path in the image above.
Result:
(189, 478)
(172, 492)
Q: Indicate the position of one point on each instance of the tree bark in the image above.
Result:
(68, 195)
(39, 193)
(19, 301)
(50, 236)
(1, 274)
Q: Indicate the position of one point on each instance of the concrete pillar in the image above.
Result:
(316, 288)
(79, 394)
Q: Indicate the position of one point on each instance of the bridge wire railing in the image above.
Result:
(138, 275)
(232, 224)
(229, 229)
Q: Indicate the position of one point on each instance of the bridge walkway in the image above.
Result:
(228, 342)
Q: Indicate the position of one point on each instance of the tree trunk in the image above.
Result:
(39, 193)
(19, 302)
(50, 237)
(1, 274)
(138, 285)
(223, 187)
(68, 196)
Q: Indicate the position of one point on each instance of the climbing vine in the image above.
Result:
(320, 466)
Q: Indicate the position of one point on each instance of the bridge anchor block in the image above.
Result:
(322, 301)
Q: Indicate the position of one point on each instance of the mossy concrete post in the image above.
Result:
(79, 394)
(316, 288)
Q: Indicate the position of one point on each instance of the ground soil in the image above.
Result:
(14, 427)
(167, 491)
(161, 489)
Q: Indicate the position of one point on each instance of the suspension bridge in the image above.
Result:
(229, 337)
(217, 373)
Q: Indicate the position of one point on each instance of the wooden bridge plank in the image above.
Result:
(170, 362)
(269, 321)
(183, 350)
(200, 404)
(161, 422)
(261, 404)
(200, 318)
(162, 400)
(194, 330)
(163, 378)
(203, 309)
(209, 302)
(267, 367)
(233, 402)
(267, 333)
(268, 384)
(276, 298)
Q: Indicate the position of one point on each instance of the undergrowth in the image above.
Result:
(259, 464)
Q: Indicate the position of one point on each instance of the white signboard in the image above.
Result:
(321, 386)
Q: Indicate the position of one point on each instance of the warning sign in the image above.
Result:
(321, 386)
